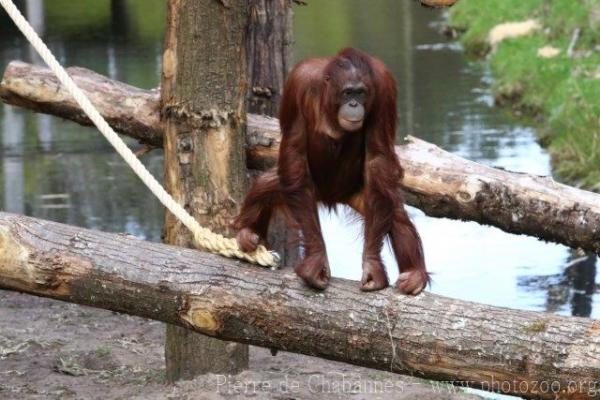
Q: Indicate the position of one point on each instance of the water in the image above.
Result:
(60, 171)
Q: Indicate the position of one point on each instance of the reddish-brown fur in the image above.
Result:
(320, 162)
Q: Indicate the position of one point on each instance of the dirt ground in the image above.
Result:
(55, 350)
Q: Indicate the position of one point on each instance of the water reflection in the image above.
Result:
(12, 163)
(57, 170)
(571, 291)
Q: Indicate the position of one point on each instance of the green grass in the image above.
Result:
(102, 351)
(562, 93)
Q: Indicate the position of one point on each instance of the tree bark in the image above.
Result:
(439, 183)
(269, 60)
(524, 353)
(129, 110)
(269, 53)
(203, 91)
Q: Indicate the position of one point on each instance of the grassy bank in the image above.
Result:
(561, 92)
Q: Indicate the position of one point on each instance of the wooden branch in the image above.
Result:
(439, 183)
(129, 110)
(446, 185)
(434, 337)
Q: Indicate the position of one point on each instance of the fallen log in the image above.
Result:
(126, 108)
(530, 354)
(439, 183)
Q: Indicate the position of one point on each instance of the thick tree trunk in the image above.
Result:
(269, 53)
(203, 106)
(530, 354)
(439, 183)
(269, 58)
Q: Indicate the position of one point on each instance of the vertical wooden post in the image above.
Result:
(203, 106)
(269, 53)
(269, 56)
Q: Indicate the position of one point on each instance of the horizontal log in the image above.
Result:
(439, 183)
(126, 108)
(534, 355)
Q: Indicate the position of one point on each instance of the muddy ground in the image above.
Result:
(55, 350)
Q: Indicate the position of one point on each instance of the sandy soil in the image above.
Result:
(55, 350)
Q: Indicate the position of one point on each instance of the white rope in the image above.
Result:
(204, 238)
